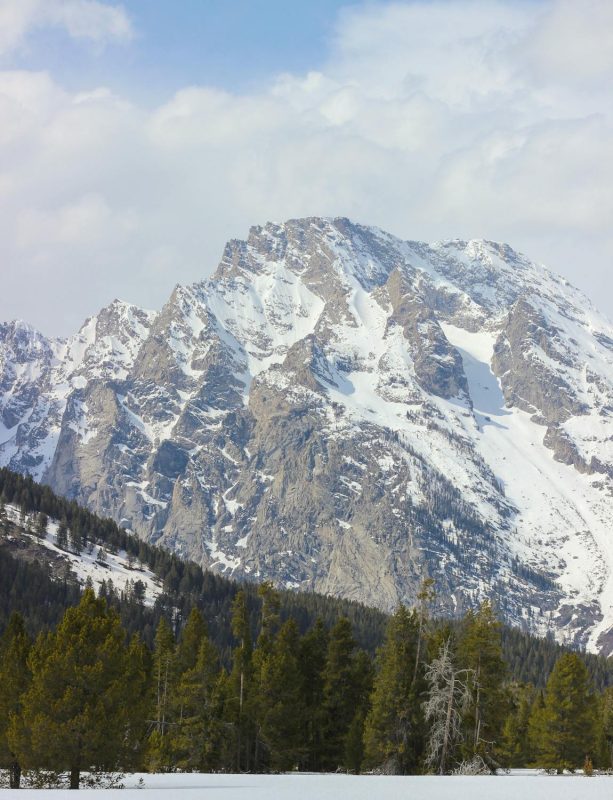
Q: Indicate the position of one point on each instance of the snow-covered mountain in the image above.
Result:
(339, 409)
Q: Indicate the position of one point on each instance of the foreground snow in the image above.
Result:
(526, 785)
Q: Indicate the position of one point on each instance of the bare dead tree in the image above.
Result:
(448, 698)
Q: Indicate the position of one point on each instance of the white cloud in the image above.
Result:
(432, 120)
(92, 20)
(575, 41)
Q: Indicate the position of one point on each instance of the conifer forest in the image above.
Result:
(215, 677)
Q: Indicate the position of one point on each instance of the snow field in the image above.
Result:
(345, 787)
(557, 528)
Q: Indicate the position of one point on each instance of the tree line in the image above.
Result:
(436, 698)
(273, 680)
(28, 587)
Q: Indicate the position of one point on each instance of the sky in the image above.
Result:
(136, 138)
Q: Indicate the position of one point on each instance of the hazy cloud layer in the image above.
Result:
(432, 120)
(81, 19)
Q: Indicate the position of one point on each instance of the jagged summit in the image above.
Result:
(340, 409)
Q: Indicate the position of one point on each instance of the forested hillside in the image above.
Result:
(213, 675)
(28, 588)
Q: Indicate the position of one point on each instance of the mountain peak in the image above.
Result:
(342, 410)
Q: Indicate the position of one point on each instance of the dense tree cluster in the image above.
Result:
(219, 677)
(28, 587)
(87, 695)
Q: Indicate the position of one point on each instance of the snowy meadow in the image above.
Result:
(524, 784)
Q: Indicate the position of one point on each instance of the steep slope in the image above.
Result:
(340, 410)
(88, 565)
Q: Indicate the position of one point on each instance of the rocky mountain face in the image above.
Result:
(341, 410)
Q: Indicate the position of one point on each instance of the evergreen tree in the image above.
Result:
(363, 675)
(14, 680)
(263, 653)
(569, 716)
(536, 728)
(280, 707)
(164, 673)
(192, 636)
(425, 597)
(270, 620)
(196, 737)
(41, 525)
(480, 652)
(515, 750)
(78, 711)
(394, 727)
(312, 661)
(137, 676)
(75, 539)
(61, 538)
(606, 727)
(354, 743)
(339, 694)
(239, 683)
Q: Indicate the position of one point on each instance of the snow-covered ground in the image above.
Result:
(349, 787)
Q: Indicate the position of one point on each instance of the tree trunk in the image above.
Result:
(477, 707)
(15, 775)
(418, 653)
(75, 777)
(240, 722)
(448, 720)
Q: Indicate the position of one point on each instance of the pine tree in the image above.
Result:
(269, 623)
(62, 535)
(515, 750)
(280, 709)
(78, 711)
(164, 674)
(164, 667)
(137, 676)
(237, 710)
(425, 597)
(606, 727)
(14, 680)
(41, 525)
(362, 680)
(339, 694)
(480, 651)
(569, 716)
(394, 726)
(192, 636)
(196, 737)
(270, 620)
(312, 661)
(354, 743)
(536, 728)
(75, 539)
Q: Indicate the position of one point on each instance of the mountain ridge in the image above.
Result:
(341, 410)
